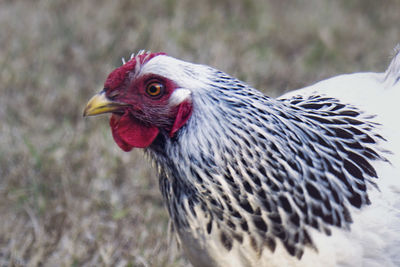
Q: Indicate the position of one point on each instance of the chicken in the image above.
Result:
(309, 179)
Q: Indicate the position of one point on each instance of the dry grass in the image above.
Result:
(68, 195)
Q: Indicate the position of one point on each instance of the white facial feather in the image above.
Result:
(192, 77)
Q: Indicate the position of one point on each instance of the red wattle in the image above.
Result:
(128, 132)
(183, 114)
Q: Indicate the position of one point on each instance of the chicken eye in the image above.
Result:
(154, 89)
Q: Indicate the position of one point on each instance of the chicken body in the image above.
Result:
(309, 179)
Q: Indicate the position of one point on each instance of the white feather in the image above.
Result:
(374, 237)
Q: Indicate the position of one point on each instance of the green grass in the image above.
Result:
(68, 195)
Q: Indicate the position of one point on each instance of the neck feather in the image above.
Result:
(276, 166)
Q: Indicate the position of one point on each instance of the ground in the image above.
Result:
(68, 195)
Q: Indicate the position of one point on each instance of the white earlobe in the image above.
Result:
(179, 96)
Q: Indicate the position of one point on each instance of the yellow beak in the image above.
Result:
(100, 104)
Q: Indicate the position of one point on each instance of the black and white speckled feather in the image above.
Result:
(256, 181)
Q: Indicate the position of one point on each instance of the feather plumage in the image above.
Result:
(308, 179)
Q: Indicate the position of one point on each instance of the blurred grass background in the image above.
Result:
(68, 195)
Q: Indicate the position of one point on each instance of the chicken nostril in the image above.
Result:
(113, 94)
